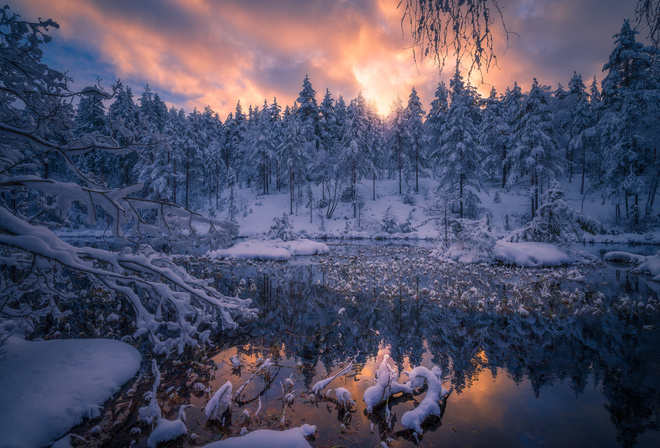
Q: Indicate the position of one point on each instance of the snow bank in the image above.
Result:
(429, 406)
(165, 431)
(650, 263)
(273, 250)
(386, 386)
(530, 254)
(291, 438)
(48, 387)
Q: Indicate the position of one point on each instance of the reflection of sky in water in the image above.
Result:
(552, 378)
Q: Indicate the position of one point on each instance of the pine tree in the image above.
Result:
(91, 119)
(354, 147)
(291, 153)
(123, 119)
(395, 137)
(435, 122)
(494, 134)
(626, 152)
(535, 155)
(461, 154)
(582, 120)
(415, 138)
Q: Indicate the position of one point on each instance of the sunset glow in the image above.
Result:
(197, 53)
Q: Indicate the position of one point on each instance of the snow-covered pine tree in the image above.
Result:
(91, 119)
(512, 106)
(375, 143)
(556, 222)
(175, 133)
(395, 137)
(123, 119)
(353, 158)
(212, 166)
(235, 129)
(461, 156)
(415, 137)
(291, 153)
(561, 120)
(328, 144)
(627, 154)
(535, 155)
(494, 135)
(435, 122)
(581, 139)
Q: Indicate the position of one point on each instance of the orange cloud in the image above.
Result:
(204, 52)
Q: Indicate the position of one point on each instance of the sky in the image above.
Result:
(196, 53)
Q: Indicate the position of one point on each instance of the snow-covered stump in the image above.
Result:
(419, 376)
(219, 403)
(386, 386)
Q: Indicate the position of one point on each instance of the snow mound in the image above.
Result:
(291, 438)
(272, 250)
(386, 386)
(48, 387)
(530, 254)
(429, 406)
(165, 431)
(649, 263)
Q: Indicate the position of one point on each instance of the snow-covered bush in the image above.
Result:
(281, 229)
(40, 274)
(556, 222)
(389, 223)
(409, 197)
(475, 241)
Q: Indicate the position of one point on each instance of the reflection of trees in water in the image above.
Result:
(532, 324)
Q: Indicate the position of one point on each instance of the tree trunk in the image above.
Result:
(374, 186)
(354, 187)
(416, 170)
(504, 167)
(460, 195)
(400, 164)
(291, 187)
(187, 175)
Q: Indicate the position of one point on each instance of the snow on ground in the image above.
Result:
(506, 209)
(275, 250)
(48, 387)
(530, 254)
(290, 438)
(650, 263)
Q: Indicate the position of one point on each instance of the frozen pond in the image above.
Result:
(533, 357)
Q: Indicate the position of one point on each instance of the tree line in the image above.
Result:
(603, 137)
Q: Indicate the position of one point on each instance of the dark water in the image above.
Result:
(533, 357)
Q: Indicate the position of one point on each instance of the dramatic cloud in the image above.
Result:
(204, 52)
